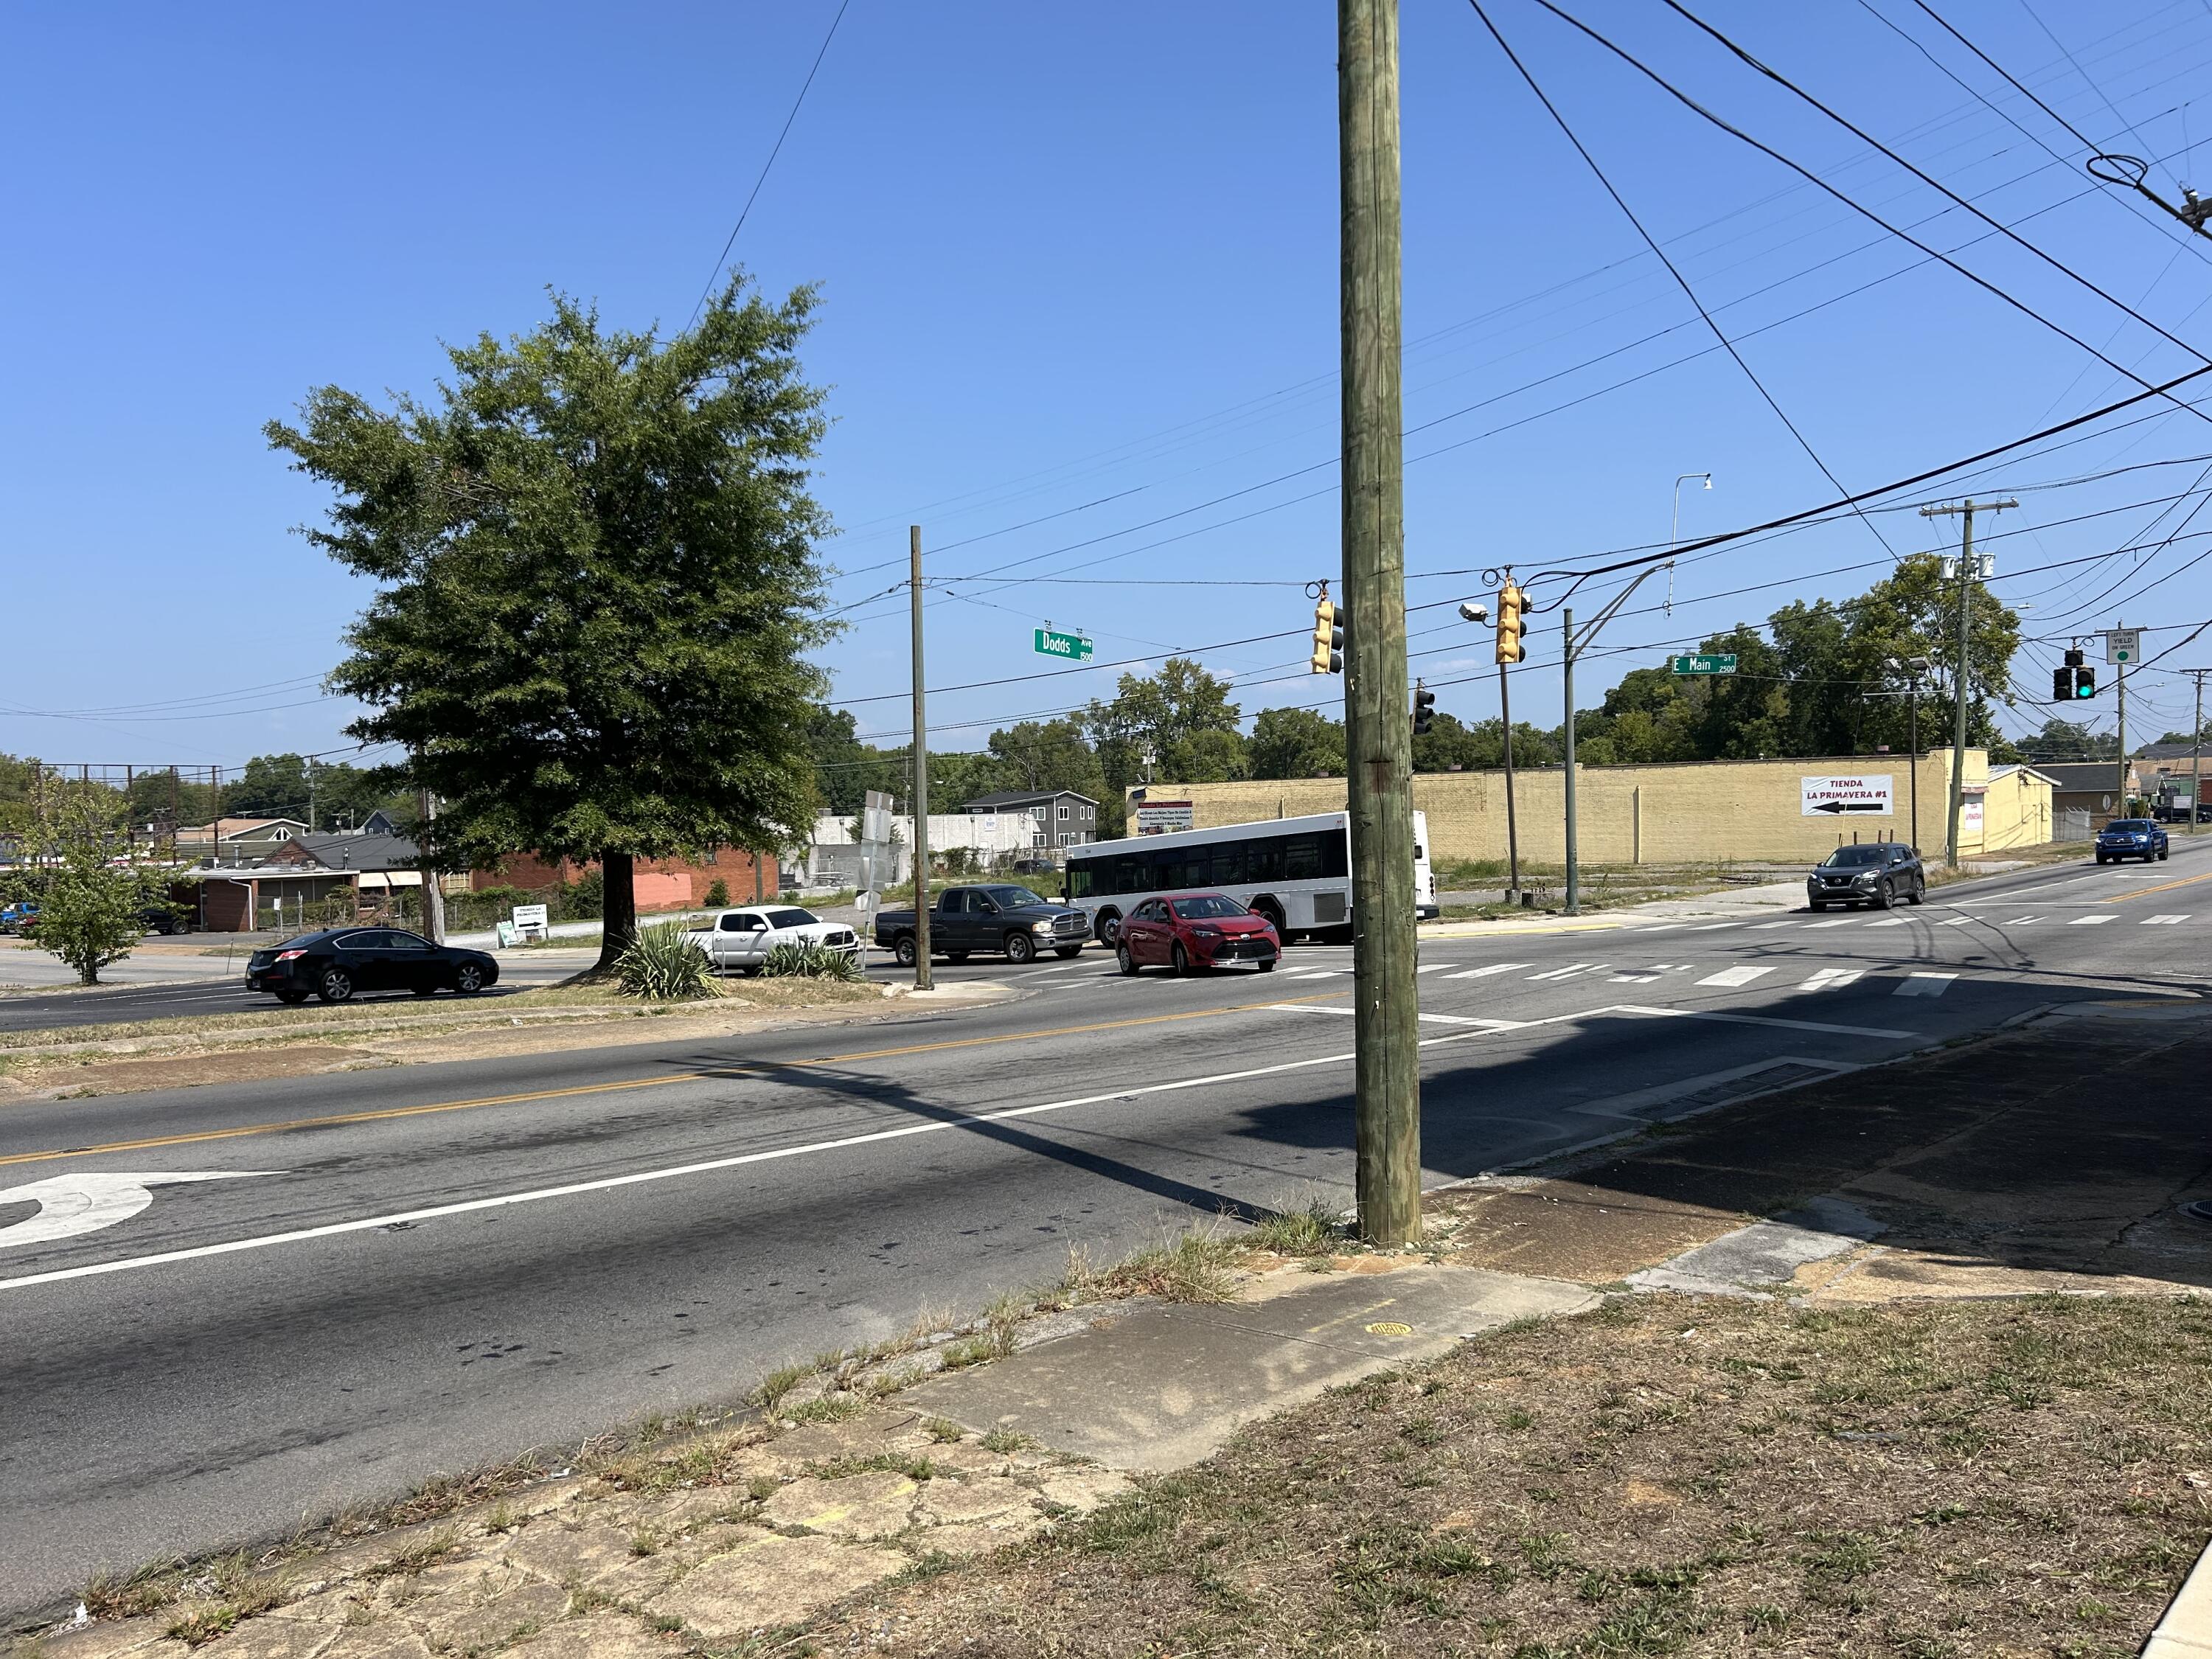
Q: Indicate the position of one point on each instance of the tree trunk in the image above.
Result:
(618, 907)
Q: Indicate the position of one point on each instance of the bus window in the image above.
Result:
(1079, 879)
(1263, 861)
(1302, 857)
(1228, 865)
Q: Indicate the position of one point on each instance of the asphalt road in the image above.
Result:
(416, 1270)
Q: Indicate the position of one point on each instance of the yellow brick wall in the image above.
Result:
(1690, 812)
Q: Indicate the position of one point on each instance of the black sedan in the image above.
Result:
(340, 963)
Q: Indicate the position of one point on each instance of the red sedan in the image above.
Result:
(1194, 934)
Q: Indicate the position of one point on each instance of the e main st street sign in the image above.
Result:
(1071, 647)
(1706, 662)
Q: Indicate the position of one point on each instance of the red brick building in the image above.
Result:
(660, 884)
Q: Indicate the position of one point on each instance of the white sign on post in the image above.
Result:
(1861, 795)
(2123, 645)
(531, 918)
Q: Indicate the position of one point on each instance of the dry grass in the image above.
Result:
(1662, 1477)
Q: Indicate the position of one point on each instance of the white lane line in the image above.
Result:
(1890, 921)
(1829, 979)
(368, 1223)
(1925, 985)
(1846, 923)
(1433, 1019)
(2090, 921)
(1735, 976)
(1715, 926)
(1722, 1019)
(1570, 970)
(1486, 972)
(1432, 967)
(1314, 973)
(2164, 921)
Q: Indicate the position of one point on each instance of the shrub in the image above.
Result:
(582, 899)
(811, 962)
(662, 963)
(717, 893)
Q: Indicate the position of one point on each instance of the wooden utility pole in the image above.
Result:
(2120, 704)
(434, 897)
(2196, 752)
(920, 802)
(1378, 734)
(1962, 679)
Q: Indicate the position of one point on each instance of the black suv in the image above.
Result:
(1872, 873)
(338, 962)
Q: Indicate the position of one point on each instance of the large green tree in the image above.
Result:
(75, 858)
(1295, 743)
(596, 557)
(1178, 722)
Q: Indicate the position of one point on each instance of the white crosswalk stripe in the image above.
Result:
(1925, 985)
(2163, 921)
(1829, 979)
(1570, 970)
(1318, 973)
(1486, 972)
(2020, 921)
(1890, 921)
(1956, 921)
(1633, 978)
(1735, 975)
(1769, 927)
(2090, 921)
(1714, 926)
(1432, 967)
(1810, 925)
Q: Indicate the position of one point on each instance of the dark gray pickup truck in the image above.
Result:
(1012, 920)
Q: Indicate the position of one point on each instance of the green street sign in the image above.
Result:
(1706, 662)
(1073, 648)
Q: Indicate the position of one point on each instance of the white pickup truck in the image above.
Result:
(740, 940)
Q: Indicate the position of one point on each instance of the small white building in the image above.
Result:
(993, 841)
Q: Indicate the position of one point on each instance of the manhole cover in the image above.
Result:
(2200, 1210)
(1389, 1327)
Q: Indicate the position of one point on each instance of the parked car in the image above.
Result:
(338, 964)
(988, 918)
(1195, 934)
(22, 917)
(2130, 838)
(1870, 872)
(739, 941)
(163, 919)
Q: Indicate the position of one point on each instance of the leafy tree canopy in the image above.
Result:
(595, 553)
(1295, 743)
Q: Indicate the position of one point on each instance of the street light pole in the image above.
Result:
(1573, 644)
(1675, 529)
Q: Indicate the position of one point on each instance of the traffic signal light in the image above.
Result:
(1327, 637)
(2085, 681)
(1510, 600)
(2062, 685)
(1425, 709)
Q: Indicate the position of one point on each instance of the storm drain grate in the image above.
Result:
(1782, 1075)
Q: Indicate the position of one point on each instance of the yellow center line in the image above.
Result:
(2163, 887)
(739, 1068)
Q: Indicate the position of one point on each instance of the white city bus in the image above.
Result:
(1295, 872)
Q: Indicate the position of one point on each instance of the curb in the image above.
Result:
(2185, 1631)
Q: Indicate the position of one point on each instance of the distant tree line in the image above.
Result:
(1817, 679)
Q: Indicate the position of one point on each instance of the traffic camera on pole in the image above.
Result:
(1327, 637)
(1511, 601)
(1425, 709)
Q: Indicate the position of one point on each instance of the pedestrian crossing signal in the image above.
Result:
(1327, 637)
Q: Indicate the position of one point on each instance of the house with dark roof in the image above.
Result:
(1063, 818)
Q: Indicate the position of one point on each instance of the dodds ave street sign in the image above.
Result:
(1706, 662)
(1072, 647)
(1865, 795)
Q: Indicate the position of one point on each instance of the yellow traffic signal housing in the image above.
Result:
(1510, 602)
(1327, 638)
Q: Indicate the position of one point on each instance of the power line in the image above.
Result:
(1867, 138)
(745, 212)
(1978, 280)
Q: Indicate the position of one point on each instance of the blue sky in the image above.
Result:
(1080, 277)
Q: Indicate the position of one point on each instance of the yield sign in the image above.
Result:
(84, 1203)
